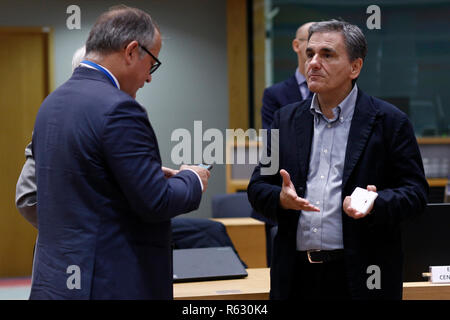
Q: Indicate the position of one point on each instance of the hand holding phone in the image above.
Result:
(202, 172)
(206, 166)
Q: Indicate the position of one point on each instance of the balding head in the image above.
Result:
(299, 45)
(302, 31)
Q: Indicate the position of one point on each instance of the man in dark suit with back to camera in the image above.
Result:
(328, 146)
(104, 203)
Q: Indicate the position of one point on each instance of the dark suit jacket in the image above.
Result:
(279, 95)
(381, 150)
(276, 96)
(103, 202)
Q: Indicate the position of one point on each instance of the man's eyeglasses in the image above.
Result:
(157, 62)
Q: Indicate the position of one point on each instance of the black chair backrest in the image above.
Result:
(231, 205)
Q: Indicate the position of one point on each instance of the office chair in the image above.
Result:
(231, 205)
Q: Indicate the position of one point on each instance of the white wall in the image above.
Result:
(190, 85)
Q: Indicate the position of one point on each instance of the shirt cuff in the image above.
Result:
(200, 180)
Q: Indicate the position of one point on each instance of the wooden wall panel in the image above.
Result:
(237, 51)
(259, 51)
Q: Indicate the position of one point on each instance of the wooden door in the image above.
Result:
(24, 83)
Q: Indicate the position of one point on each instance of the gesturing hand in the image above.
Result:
(289, 198)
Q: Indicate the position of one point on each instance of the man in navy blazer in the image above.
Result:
(329, 145)
(293, 89)
(104, 203)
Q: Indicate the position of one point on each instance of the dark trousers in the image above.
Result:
(319, 281)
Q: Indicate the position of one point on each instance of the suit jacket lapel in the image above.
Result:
(293, 90)
(360, 129)
(304, 129)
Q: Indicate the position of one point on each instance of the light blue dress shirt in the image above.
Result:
(323, 230)
(301, 80)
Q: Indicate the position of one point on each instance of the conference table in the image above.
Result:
(256, 286)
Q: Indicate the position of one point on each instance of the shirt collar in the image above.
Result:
(343, 111)
(109, 72)
(300, 78)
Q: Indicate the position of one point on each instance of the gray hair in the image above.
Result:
(117, 27)
(354, 38)
(78, 56)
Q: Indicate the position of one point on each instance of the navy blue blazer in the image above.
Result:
(104, 205)
(382, 150)
(279, 95)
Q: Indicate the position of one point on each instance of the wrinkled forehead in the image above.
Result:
(333, 40)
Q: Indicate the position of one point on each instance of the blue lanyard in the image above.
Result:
(100, 68)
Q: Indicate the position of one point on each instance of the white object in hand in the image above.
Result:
(362, 199)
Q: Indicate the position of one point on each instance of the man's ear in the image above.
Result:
(356, 67)
(131, 51)
(296, 45)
